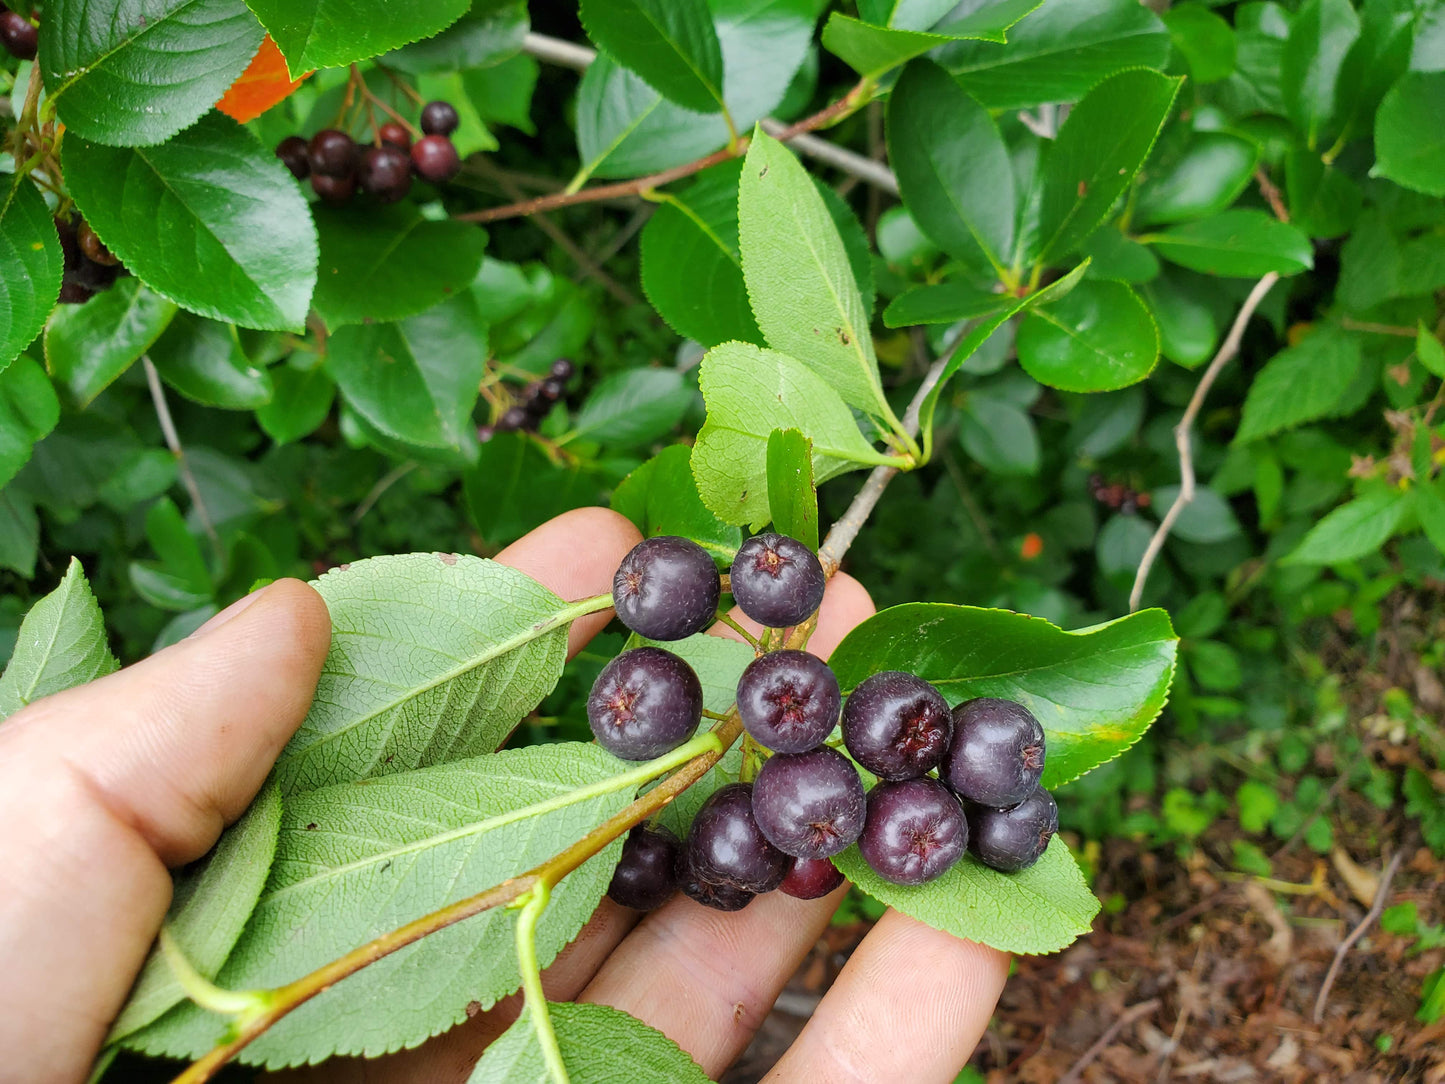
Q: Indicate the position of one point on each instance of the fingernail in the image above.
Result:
(229, 613)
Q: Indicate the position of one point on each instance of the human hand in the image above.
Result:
(103, 787)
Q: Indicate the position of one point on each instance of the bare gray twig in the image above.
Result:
(1381, 895)
(173, 442)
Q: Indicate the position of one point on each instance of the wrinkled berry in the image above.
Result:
(996, 757)
(645, 702)
(809, 805)
(646, 874)
(788, 700)
(915, 831)
(1013, 839)
(667, 588)
(811, 878)
(896, 725)
(776, 580)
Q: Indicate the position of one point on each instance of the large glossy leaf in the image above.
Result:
(29, 410)
(1204, 39)
(330, 33)
(1355, 529)
(135, 72)
(30, 267)
(750, 392)
(1300, 383)
(1098, 337)
(599, 1045)
(949, 156)
(660, 497)
(1204, 180)
(1324, 201)
(358, 860)
(1099, 149)
(61, 644)
(634, 407)
(433, 657)
(1409, 142)
(670, 43)
(872, 49)
(211, 219)
(1095, 690)
(1320, 35)
(87, 346)
(799, 280)
(1242, 242)
(203, 360)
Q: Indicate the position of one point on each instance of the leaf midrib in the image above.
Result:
(50, 647)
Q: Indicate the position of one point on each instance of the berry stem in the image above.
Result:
(727, 619)
(202, 991)
(532, 993)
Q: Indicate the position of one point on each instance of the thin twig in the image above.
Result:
(1127, 1017)
(629, 230)
(1270, 191)
(1226, 353)
(850, 162)
(564, 54)
(1381, 895)
(389, 479)
(173, 442)
(1378, 329)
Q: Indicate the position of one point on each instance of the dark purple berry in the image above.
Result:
(1013, 839)
(646, 874)
(485, 433)
(73, 293)
(789, 700)
(294, 156)
(562, 369)
(896, 725)
(439, 118)
(720, 897)
(385, 173)
(92, 247)
(551, 389)
(725, 847)
(645, 702)
(336, 190)
(811, 878)
(512, 419)
(19, 36)
(95, 277)
(776, 580)
(69, 242)
(915, 831)
(667, 588)
(435, 159)
(332, 153)
(810, 805)
(996, 757)
(395, 134)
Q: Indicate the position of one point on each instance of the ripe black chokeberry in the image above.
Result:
(725, 847)
(66, 230)
(19, 36)
(644, 703)
(96, 277)
(439, 118)
(996, 757)
(332, 153)
(512, 419)
(915, 831)
(73, 293)
(485, 433)
(92, 247)
(435, 158)
(562, 369)
(646, 875)
(896, 725)
(551, 389)
(720, 897)
(789, 700)
(667, 588)
(295, 156)
(333, 189)
(385, 173)
(1013, 839)
(776, 580)
(809, 805)
(395, 134)
(810, 878)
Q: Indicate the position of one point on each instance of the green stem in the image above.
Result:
(203, 991)
(728, 620)
(535, 997)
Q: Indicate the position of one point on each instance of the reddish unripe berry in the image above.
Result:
(810, 879)
(395, 134)
(435, 158)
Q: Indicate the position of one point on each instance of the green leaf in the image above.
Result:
(1058, 53)
(1409, 142)
(750, 392)
(1188, 328)
(212, 901)
(1038, 910)
(670, 43)
(998, 435)
(415, 380)
(133, 73)
(660, 497)
(61, 644)
(635, 406)
(486, 36)
(87, 346)
(358, 860)
(29, 410)
(1098, 337)
(1353, 530)
(1098, 150)
(1323, 201)
(1429, 351)
(1240, 243)
(945, 303)
(19, 532)
(1205, 520)
(872, 50)
(1300, 383)
(515, 486)
(387, 263)
(718, 661)
(1430, 509)
(799, 281)
(433, 657)
(1114, 256)
(211, 219)
(792, 495)
(856, 245)
(301, 402)
(691, 270)
(203, 360)
(30, 267)
(949, 156)
(472, 134)
(502, 94)
(1204, 180)
(599, 1045)
(330, 33)
(1320, 35)
(1205, 40)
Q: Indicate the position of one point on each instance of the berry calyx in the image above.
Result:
(810, 879)
(335, 190)
(385, 173)
(439, 118)
(295, 156)
(93, 248)
(395, 134)
(435, 158)
(18, 35)
(1009, 840)
(667, 588)
(331, 153)
(776, 580)
(645, 702)
(726, 849)
(915, 831)
(788, 700)
(996, 757)
(897, 725)
(809, 805)
(646, 874)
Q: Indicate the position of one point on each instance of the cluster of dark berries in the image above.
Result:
(18, 34)
(533, 404)
(90, 267)
(337, 165)
(1117, 495)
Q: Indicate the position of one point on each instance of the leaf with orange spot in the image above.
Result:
(264, 83)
